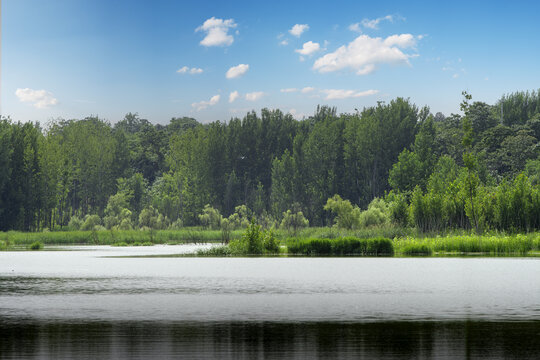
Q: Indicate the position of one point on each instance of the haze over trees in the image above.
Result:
(393, 162)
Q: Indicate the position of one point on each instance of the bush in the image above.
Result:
(294, 220)
(348, 216)
(90, 222)
(177, 225)
(270, 243)
(36, 246)
(376, 213)
(210, 217)
(75, 223)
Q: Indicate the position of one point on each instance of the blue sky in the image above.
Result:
(213, 60)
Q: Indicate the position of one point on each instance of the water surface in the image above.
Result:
(85, 303)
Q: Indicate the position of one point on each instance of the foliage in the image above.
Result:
(210, 218)
(36, 246)
(347, 215)
(293, 221)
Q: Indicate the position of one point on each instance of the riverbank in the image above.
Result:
(309, 242)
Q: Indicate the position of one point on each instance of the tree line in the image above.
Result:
(398, 162)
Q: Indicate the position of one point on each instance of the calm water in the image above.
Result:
(88, 304)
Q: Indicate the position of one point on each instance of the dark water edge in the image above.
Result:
(233, 340)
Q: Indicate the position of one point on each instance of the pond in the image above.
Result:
(88, 303)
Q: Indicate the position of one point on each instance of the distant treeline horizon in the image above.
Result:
(432, 171)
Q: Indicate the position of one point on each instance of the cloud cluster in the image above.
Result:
(217, 32)
(298, 29)
(308, 48)
(237, 71)
(201, 105)
(187, 70)
(365, 53)
(40, 99)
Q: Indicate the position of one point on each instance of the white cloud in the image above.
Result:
(364, 53)
(201, 105)
(374, 23)
(298, 29)
(284, 42)
(308, 48)
(289, 90)
(233, 96)
(403, 41)
(187, 70)
(40, 99)
(355, 27)
(217, 32)
(297, 115)
(237, 71)
(254, 96)
(334, 94)
(307, 89)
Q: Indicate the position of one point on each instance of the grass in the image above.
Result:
(520, 244)
(107, 237)
(341, 247)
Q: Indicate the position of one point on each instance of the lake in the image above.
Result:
(86, 302)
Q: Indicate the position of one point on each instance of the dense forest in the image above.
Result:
(479, 170)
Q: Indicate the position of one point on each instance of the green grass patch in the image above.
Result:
(107, 237)
(520, 244)
(341, 247)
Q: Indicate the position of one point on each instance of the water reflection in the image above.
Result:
(83, 304)
(132, 340)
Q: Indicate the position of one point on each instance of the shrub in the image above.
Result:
(292, 221)
(36, 246)
(348, 216)
(90, 222)
(210, 217)
(177, 225)
(75, 223)
(270, 243)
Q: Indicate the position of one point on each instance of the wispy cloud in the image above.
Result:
(201, 105)
(307, 89)
(40, 99)
(217, 32)
(254, 96)
(355, 28)
(187, 70)
(374, 23)
(335, 94)
(289, 90)
(237, 71)
(233, 96)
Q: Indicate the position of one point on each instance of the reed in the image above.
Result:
(519, 244)
(341, 247)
